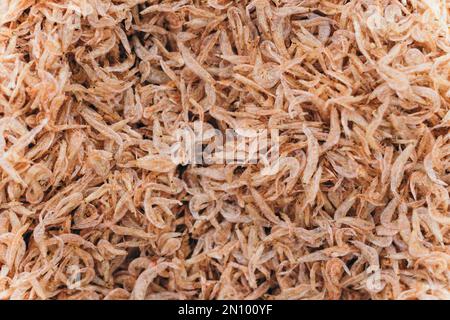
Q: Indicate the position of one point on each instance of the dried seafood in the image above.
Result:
(93, 92)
